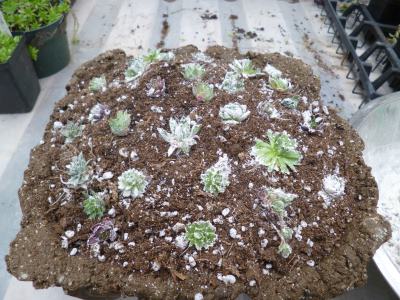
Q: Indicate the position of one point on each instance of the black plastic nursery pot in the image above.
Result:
(385, 11)
(52, 42)
(19, 85)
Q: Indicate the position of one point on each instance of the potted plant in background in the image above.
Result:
(19, 85)
(43, 23)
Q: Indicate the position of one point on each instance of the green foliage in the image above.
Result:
(71, 131)
(244, 67)
(183, 134)
(156, 55)
(193, 71)
(94, 206)
(216, 178)
(278, 154)
(132, 183)
(203, 91)
(284, 249)
(78, 171)
(7, 46)
(120, 123)
(28, 15)
(97, 84)
(200, 234)
(232, 83)
(394, 37)
(291, 102)
(33, 52)
(279, 84)
(287, 233)
(136, 68)
(233, 113)
(279, 200)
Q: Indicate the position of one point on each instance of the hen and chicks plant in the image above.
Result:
(71, 131)
(132, 183)
(200, 234)
(119, 125)
(78, 171)
(233, 113)
(216, 178)
(94, 206)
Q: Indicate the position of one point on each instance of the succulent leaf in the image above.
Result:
(200, 234)
(132, 183)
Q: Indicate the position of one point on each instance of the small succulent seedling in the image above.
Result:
(311, 122)
(132, 183)
(266, 109)
(193, 71)
(216, 178)
(93, 206)
(287, 233)
(278, 154)
(279, 84)
(98, 112)
(200, 56)
(291, 102)
(278, 200)
(78, 171)
(333, 187)
(244, 67)
(203, 91)
(183, 134)
(98, 84)
(284, 249)
(200, 234)
(156, 55)
(155, 87)
(135, 69)
(120, 123)
(232, 83)
(101, 232)
(272, 71)
(233, 113)
(71, 131)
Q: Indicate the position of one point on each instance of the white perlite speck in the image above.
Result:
(264, 243)
(198, 296)
(252, 283)
(73, 251)
(227, 279)
(225, 211)
(233, 233)
(155, 266)
(108, 175)
(180, 241)
(69, 234)
(332, 189)
(311, 263)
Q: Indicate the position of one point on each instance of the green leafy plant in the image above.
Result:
(33, 52)
(78, 171)
(71, 131)
(94, 206)
(7, 46)
(394, 37)
(291, 102)
(183, 134)
(233, 113)
(284, 249)
(278, 200)
(278, 154)
(216, 178)
(279, 84)
(28, 15)
(120, 123)
(232, 83)
(203, 91)
(136, 68)
(156, 55)
(200, 234)
(98, 84)
(193, 71)
(132, 183)
(244, 67)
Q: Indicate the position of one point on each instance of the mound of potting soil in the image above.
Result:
(287, 204)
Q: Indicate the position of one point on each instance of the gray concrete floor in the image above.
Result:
(135, 26)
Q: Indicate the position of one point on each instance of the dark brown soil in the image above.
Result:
(345, 235)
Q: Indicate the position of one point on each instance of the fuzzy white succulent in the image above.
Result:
(78, 171)
(132, 183)
(183, 134)
(98, 84)
(136, 68)
(71, 131)
(119, 125)
(333, 187)
(266, 109)
(233, 113)
(193, 71)
(232, 83)
(272, 71)
(202, 57)
(279, 84)
(216, 178)
(156, 55)
(244, 67)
